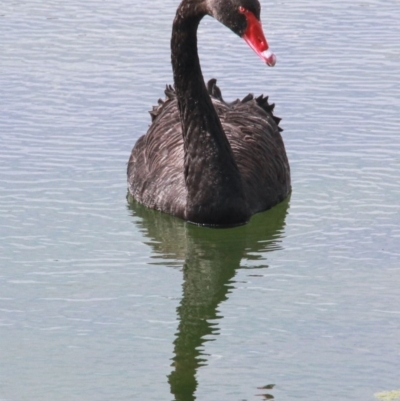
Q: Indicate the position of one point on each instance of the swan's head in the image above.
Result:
(243, 18)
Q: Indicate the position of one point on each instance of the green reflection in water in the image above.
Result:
(210, 258)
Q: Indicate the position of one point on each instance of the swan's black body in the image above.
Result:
(202, 159)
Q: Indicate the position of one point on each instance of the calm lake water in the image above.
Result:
(102, 301)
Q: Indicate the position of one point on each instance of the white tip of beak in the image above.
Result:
(269, 57)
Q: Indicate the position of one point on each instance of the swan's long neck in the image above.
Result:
(213, 181)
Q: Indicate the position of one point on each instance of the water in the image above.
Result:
(100, 301)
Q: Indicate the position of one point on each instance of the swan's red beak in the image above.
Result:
(254, 36)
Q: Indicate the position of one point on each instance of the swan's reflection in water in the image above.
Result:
(210, 258)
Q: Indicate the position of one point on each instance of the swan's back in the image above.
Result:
(156, 165)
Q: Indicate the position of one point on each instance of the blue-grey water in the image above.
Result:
(102, 301)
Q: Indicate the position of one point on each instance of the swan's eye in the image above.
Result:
(242, 9)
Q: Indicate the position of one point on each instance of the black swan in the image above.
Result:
(204, 160)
